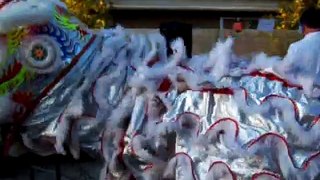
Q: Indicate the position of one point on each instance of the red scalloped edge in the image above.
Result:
(190, 162)
(271, 174)
(273, 77)
(185, 67)
(229, 91)
(234, 176)
(294, 104)
(268, 75)
(258, 139)
(281, 138)
(315, 121)
(224, 120)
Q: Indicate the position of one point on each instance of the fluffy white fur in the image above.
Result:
(73, 111)
(149, 77)
(123, 110)
(219, 171)
(261, 61)
(220, 59)
(101, 61)
(24, 13)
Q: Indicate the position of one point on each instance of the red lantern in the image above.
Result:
(237, 27)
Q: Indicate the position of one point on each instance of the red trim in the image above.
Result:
(307, 162)
(165, 85)
(185, 67)
(274, 135)
(234, 176)
(148, 167)
(23, 98)
(315, 121)
(61, 10)
(295, 106)
(265, 173)
(270, 134)
(224, 120)
(273, 77)
(190, 161)
(225, 91)
(121, 146)
(153, 61)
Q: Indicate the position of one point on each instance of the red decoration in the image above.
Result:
(165, 85)
(237, 26)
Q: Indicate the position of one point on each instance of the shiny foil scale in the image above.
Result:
(97, 91)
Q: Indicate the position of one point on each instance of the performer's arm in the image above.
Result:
(288, 61)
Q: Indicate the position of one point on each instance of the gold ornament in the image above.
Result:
(290, 12)
(93, 13)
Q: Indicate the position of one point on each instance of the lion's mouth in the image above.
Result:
(10, 72)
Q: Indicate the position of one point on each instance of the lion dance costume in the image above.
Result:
(64, 87)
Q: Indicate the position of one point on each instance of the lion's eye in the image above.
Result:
(39, 52)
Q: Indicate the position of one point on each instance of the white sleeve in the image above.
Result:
(291, 58)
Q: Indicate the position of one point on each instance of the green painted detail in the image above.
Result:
(64, 21)
(14, 40)
(15, 82)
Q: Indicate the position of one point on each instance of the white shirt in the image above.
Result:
(302, 62)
